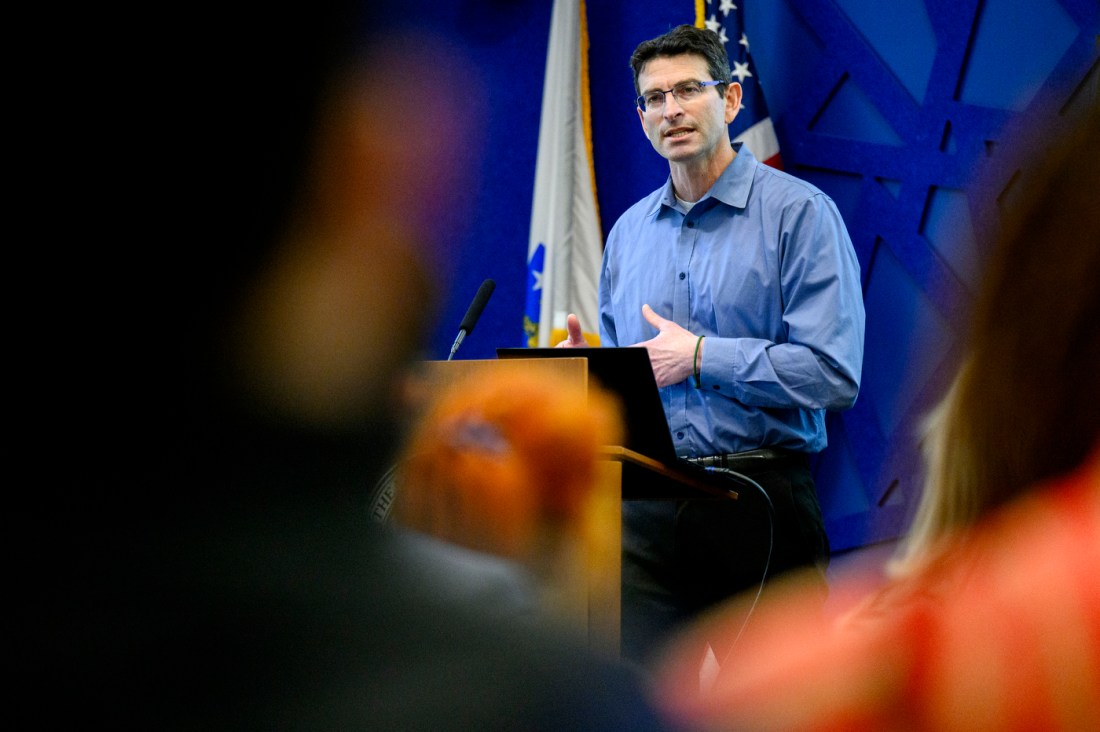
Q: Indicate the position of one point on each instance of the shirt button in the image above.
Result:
(679, 435)
(717, 388)
(691, 224)
(682, 275)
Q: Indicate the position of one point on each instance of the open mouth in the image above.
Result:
(677, 133)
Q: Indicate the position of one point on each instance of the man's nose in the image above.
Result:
(672, 106)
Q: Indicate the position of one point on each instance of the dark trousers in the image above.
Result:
(681, 557)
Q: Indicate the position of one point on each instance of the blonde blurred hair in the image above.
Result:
(1025, 404)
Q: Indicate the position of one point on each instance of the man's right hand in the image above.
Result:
(576, 336)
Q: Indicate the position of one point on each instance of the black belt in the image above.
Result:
(739, 461)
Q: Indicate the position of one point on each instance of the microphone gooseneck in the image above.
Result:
(473, 313)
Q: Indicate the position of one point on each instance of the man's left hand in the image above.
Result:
(671, 351)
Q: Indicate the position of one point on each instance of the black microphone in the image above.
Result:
(473, 313)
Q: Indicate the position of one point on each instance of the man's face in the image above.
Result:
(692, 130)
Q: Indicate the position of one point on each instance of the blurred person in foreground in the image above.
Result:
(991, 619)
(506, 463)
(211, 563)
(742, 284)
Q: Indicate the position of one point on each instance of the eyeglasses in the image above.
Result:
(685, 91)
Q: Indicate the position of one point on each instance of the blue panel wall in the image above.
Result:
(903, 112)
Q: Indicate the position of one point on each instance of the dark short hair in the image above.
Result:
(684, 39)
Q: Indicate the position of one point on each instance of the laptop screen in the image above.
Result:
(627, 373)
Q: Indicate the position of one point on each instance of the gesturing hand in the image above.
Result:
(576, 336)
(671, 351)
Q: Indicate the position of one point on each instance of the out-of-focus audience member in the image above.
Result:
(213, 565)
(992, 617)
(507, 463)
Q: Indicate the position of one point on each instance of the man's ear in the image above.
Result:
(733, 101)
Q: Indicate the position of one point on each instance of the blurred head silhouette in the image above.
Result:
(1021, 409)
(507, 464)
(262, 273)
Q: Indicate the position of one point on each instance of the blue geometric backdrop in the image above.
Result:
(909, 113)
(899, 111)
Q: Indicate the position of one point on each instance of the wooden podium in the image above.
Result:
(590, 600)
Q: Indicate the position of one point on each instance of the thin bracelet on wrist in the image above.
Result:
(695, 363)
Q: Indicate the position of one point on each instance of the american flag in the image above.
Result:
(753, 125)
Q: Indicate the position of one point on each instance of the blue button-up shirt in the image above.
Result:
(763, 266)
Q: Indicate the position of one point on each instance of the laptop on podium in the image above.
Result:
(628, 373)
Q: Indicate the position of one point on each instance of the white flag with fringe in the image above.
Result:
(565, 246)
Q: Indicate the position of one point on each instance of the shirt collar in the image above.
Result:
(731, 188)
